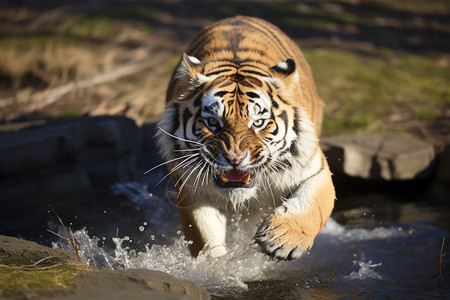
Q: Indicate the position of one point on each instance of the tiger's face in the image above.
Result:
(242, 132)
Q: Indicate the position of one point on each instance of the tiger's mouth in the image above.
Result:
(235, 179)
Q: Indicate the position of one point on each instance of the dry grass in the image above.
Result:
(53, 63)
(68, 234)
(19, 274)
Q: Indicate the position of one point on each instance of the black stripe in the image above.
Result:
(186, 116)
(255, 81)
(175, 119)
(284, 117)
(254, 73)
(322, 167)
(283, 165)
(218, 72)
(295, 126)
(252, 95)
(220, 94)
(293, 148)
(198, 100)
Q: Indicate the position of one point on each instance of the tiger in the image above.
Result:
(240, 133)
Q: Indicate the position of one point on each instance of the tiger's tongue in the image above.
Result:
(236, 176)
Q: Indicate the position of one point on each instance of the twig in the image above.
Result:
(34, 266)
(440, 260)
(441, 257)
(69, 238)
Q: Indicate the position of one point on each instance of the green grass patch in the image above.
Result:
(70, 113)
(18, 274)
(358, 90)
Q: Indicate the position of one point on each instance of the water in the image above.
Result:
(376, 249)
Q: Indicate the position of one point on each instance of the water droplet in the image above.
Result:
(145, 223)
(141, 228)
(104, 211)
(152, 237)
(178, 232)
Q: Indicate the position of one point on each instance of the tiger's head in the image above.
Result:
(232, 128)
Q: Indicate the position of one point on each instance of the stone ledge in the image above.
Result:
(387, 156)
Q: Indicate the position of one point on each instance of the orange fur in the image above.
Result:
(243, 89)
(300, 229)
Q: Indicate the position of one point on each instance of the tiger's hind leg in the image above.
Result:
(292, 227)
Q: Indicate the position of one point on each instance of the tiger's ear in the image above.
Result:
(190, 71)
(284, 74)
(284, 68)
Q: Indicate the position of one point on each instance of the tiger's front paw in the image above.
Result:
(283, 236)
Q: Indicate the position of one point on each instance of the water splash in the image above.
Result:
(215, 274)
(231, 271)
(365, 271)
(339, 253)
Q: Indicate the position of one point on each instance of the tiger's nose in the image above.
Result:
(234, 158)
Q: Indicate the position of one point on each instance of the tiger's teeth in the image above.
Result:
(246, 178)
(224, 179)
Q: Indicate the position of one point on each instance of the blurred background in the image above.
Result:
(378, 64)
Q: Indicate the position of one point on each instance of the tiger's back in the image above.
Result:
(258, 43)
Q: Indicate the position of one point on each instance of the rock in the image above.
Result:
(25, 200)
(69, 164)
(29, 151)
(442, 184)
(18, 248)
(443, 169)
(134, 284)
(388, 156)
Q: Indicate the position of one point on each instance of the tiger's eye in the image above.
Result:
(212, 122)
(258, 123)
